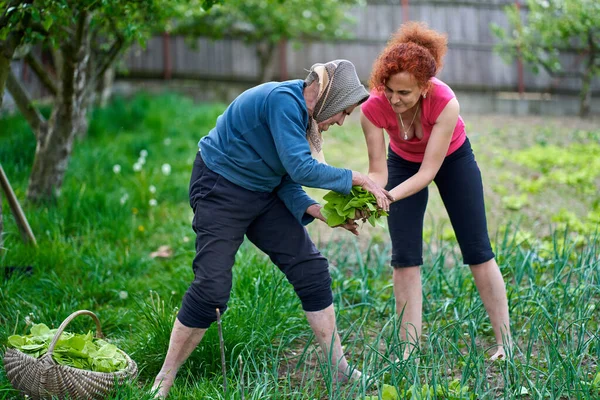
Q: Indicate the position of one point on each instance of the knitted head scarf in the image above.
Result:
(339, 89)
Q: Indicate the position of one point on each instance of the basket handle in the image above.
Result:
(66, 322)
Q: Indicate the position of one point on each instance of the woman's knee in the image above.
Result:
(312, 283)
(198, 311)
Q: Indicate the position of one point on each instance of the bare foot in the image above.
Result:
(161, 387)
(343, 377)
(499, 355)
(412, 354)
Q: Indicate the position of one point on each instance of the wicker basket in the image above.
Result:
(42, 378)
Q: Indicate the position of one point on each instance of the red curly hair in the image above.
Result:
(414, 48)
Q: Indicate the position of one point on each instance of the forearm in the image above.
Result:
(320, 176)
(379, 178)
(358, 179)
(412, 185)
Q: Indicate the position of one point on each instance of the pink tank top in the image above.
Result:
(379, 111)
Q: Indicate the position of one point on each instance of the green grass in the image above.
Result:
(95, 244)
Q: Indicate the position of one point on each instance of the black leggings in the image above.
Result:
(461, 189)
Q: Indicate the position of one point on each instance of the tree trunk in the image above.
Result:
(265, 50)
(104, 88)
(4, 68)
(69, 116)
(7, 50)
(585, 96)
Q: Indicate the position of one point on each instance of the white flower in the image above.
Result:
(141, 160)
(152, 189)
(137, 167)
(123, 295)
(167, 141)
(124, 198)
(306, 14)
(116, 168)
(144, 153)
(186, 239)
(153, 202)
(166, 169)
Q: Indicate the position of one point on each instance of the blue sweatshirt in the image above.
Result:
(259, 143)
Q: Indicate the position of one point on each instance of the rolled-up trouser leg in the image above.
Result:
(286, 241)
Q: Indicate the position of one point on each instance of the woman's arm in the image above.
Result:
(435, 153)
(376, 147)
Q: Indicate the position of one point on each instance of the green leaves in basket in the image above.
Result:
(73, 350)
(338, 207)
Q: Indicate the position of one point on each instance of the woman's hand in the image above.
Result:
(350, 225)
(315, 211)
(384, 198)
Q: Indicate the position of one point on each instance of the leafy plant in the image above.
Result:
(516, 202)
(341, 207)
(454, 392)
(74, 350)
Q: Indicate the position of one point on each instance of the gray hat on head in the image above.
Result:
(343, 89)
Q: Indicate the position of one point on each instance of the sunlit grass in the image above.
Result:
(94, 253)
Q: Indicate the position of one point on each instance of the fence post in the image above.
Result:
(283, 68)
(405, 7)
(520, 76)
(167, 62)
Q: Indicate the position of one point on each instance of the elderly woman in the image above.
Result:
(247, 180)
(428, 143)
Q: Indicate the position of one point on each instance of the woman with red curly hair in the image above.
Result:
(428, 143)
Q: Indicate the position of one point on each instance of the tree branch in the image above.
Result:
(556, 74)
(70, 32)
(109, 57)
(38, 68)
(23, 101)
(80, 34)
(57, 61)
(105, 62)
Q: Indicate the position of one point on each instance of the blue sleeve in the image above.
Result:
(287, 123)
(295, 199)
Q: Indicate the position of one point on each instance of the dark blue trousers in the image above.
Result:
(461, 189)
(223, 213)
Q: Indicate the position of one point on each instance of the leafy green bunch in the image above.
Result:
(454, 391)
(359, 201)
(74, 350)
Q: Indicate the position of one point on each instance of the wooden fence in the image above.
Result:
(470, 63)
